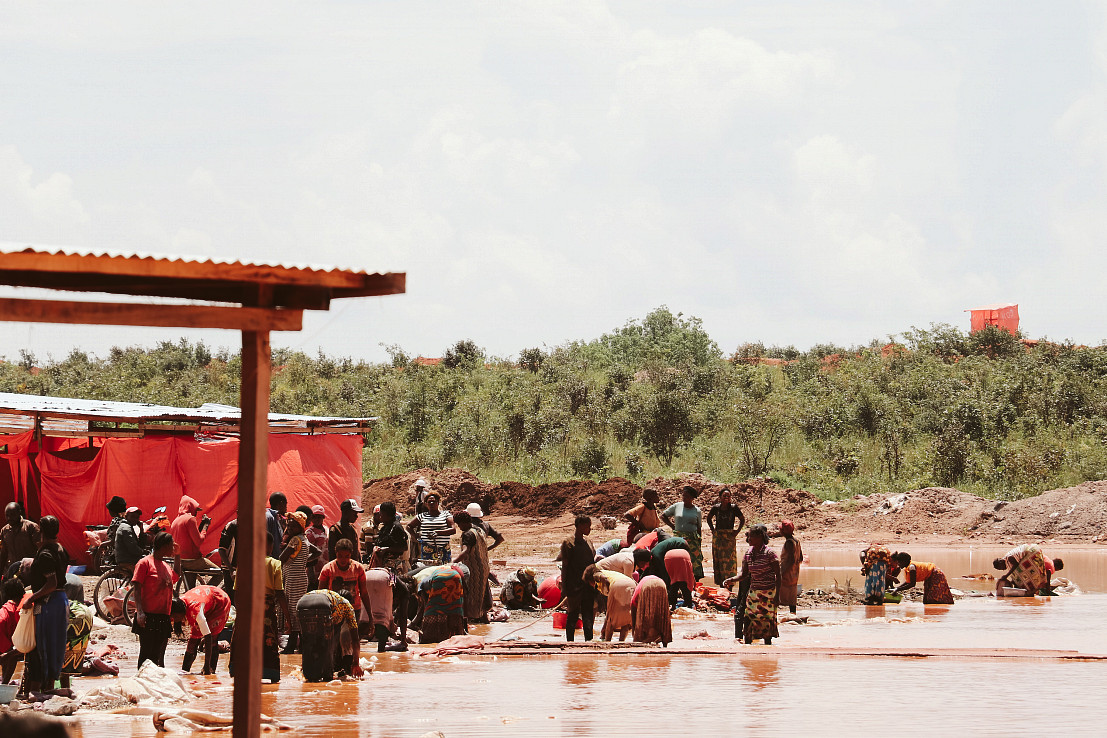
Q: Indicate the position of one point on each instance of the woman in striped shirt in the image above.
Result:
(434, 528)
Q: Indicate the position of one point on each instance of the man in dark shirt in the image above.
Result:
(19, 539)
(390, 546)
(345, 528)
(577, 555)
(129, 540)
(274, 521)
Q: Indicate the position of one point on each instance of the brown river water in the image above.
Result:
(755, 690)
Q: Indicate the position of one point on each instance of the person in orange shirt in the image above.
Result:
(191, 537)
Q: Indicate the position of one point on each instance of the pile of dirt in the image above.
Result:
(1074, 513)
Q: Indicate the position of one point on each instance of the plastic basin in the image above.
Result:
(7, 693)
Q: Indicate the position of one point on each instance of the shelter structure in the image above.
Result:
(252, 298)
(66, 457)
(1003, 315)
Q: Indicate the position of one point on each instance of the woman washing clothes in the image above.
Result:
(880, 569)
(935, 586)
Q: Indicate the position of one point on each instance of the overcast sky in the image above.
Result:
(794, 173)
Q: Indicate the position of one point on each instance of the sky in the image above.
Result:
(789, 172)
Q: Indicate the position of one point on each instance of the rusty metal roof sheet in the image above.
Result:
(65, 408)
(198, 278)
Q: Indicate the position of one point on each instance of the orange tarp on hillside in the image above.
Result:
(1005, 316)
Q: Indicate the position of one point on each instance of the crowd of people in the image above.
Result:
(328, 588)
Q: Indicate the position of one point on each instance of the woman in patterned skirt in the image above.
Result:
(294, 572)
(935, 587)
(761, 567)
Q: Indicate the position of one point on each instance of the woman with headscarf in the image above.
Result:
(761, 567)
(474, 554)
(294, 572)
(434, 527)
(650, 604)
(724, 536)
(686, 520)
(520, 590)
(935, 585)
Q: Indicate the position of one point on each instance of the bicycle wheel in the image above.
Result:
(198, 578)
(129, 607)
(108, 583)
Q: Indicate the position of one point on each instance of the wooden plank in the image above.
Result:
(253, 457)
(170, 269)
(168, 316)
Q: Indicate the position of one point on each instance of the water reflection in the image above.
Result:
(761, 673)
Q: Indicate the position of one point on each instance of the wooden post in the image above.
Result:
(253, 458)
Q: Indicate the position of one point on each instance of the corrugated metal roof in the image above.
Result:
(300, 286)
(105, 410)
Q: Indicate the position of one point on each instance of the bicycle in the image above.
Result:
(198, 578)
(110, 582)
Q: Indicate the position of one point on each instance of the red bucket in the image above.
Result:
(560, 618)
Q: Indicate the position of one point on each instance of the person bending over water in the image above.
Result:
(1028, 569)
(935, 587)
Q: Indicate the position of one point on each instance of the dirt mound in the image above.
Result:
(1074, 513)
(1079, 512)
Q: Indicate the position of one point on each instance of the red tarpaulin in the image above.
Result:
(1005, 316)
(158, 470)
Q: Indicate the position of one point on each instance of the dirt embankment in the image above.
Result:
(1076, 514)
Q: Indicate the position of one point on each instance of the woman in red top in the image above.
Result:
(206, 610)
(153, 581)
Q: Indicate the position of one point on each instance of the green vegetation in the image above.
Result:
(982, 412)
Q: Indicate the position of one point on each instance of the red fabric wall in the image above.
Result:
(158, 470)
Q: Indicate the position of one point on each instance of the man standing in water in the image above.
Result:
(577, 555)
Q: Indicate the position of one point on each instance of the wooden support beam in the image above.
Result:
(253, 457)
(167, 316)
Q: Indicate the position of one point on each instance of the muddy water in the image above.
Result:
(1085, 566)
(755, 690)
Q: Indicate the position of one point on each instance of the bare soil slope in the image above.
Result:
(1072, 514)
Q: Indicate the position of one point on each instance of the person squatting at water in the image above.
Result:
(935, 586)
(1027, 569)
(575, 556)
(520, 590)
